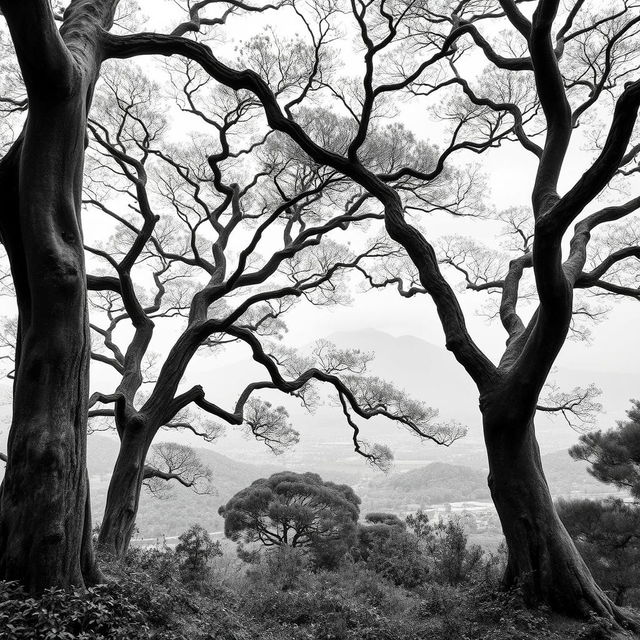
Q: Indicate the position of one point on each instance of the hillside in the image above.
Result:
(431, 484)
(438, 483)
(435, 483)
(171, 517)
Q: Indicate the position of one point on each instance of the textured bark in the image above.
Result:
(125, 486)
(542, 558)
(45, 521)
(44, 495)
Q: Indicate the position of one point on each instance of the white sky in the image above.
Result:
(616, 341)
(510, 171)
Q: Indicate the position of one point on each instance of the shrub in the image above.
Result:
(445, 545)
(100, 613)
(280, 569)
(194, 550)
(398, 557)
(409, 554)
(152, 579)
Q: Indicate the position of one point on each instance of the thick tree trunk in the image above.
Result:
(123, 496)
(542, 558)
(45, 532)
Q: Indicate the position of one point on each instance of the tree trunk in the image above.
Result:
(45, 532)
(542, 559)
(123, 496)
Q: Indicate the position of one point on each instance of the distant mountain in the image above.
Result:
(434, 483)
(425, 371)
(438, 483)
(438, 475)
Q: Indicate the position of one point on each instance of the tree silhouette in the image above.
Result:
(170, 461)
(230, 241)
(526, 95)
(43, 183)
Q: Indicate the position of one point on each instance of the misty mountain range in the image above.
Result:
(422, 473)
(425, 371)
(434, 483)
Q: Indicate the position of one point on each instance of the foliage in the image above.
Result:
(351, 602)
(413, 552)
(454, 562)
(152, 580)
(387, 548)
(195, 549)
(298, 510)
(283, 597)
(100, 613)
(169, 461)
(607, 533)
(354, 602)
(614, 455)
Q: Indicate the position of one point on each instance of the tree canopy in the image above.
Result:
(294, 509)
(172, 462)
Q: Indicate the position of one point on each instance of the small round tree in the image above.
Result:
(296, 510)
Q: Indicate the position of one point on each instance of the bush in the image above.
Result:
(194, 550)
(280, 569)
(349, 603)
(100, 613)
(152, 580)
(409, 554)
(396, 555)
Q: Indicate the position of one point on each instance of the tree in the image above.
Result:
(196, 548)
(614, 455)
(45, 530)
(525, 95)
(198, 221)
(295, 510)
(607, 534)
(172, 461)
(299, 200)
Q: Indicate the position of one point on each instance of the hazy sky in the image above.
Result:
(510, 172)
